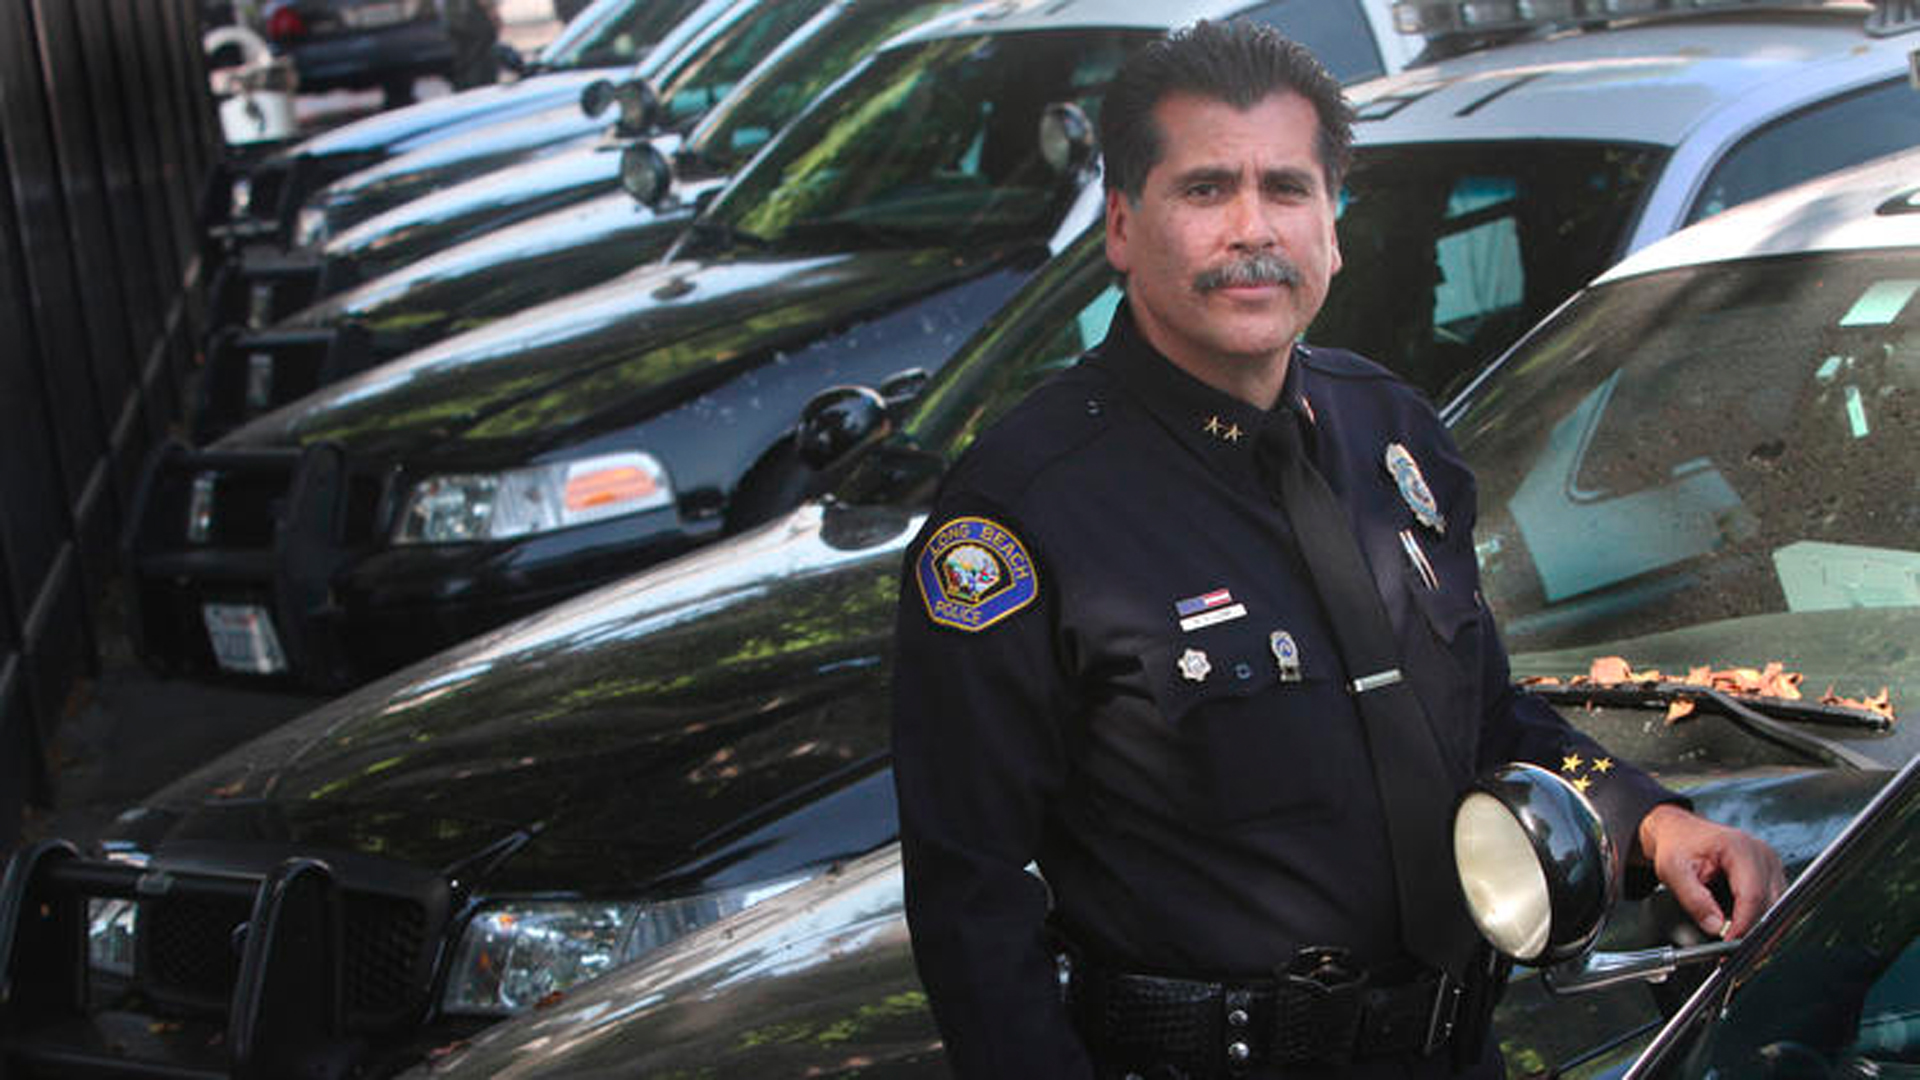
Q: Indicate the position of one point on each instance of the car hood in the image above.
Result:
(684, 722)
(487, 275)
(820, 981)
(403, 129)
(457, 157)
(572, 168)
(634, 343)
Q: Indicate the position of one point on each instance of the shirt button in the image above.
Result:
(1093, 407)
(1237, 1018)
(1243, 671)
(1238, 1053)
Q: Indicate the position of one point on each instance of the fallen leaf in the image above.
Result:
(1610, 669)
(1679, 709)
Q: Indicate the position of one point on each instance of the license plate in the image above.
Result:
(243, 639)
(368, 16)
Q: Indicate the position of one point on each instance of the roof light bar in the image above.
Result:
(1435, 18)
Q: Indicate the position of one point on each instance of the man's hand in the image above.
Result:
(1688, 852)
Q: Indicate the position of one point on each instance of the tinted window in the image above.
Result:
(1712, 466)
(777, 90)
(710, 71)
(1336, 30)
(1451, 252)
(932, 144)
(613, 32)
(1821, 139)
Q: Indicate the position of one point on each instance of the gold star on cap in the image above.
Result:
(1580, 784)
(1601, 765)
(1233, 433)
(1570, 763)
(1212, 426)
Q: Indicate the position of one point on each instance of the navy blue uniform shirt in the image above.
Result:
(1112, 663)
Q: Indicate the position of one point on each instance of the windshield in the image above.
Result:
(1449, 252)
(779, 88)
(1837, 991)
(929, 145)
(1712, 466)
(612, 33)
(708, 70)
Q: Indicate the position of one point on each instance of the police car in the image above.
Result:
(425, 500)
(1490, 185)
(561, 798)
(603, 42)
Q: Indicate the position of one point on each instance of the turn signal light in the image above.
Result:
(605, 487)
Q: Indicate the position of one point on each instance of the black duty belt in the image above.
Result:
(1319, 1010)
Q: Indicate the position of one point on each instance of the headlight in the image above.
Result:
(469, 507)
(310, 227)
(111, 928)
(514, 954)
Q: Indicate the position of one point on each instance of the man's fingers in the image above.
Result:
(1756, 879)
(1690, 889)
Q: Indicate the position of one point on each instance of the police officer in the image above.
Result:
(1195, 632)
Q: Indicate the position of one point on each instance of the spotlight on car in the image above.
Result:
(1535, 863)
(645, 173)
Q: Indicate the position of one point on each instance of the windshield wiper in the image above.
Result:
(1770, 718)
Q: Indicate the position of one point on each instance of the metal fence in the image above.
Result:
(107, 140)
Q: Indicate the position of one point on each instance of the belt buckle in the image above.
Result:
(1316, 1016)
(1440, 1018)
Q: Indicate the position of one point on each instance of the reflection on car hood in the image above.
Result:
(622, 343)
(820, 981)
(603, 229)
(438, 117)
(1855, 652)
(672, 719)
(570, 168)
(476, 146)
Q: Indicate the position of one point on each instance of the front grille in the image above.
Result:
(192, 956)
(386, 938)
(247, 507)
(190, 948)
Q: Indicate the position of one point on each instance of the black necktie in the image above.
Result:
(1416, 792)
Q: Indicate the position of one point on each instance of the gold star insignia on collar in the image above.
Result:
(1233, 433)
(1212, 426)
(1580, 784)
(1601, 765)
(1570, 763)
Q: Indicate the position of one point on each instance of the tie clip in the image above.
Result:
(1375, 681)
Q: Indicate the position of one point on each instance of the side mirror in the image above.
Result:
(645, 173)
(639, 106)
(1540, 874)
(903, 387)
(837, 421)
(1066, 138)
(596, 97)
(509, 59)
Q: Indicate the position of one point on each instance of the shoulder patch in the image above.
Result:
(973, 573)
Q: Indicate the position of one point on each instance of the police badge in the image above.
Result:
(1413, 488)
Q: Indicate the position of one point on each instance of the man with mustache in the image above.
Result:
(1196, 630)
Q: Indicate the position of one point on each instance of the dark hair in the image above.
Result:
(1238, 62)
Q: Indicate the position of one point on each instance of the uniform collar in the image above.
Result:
(1215, 425)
